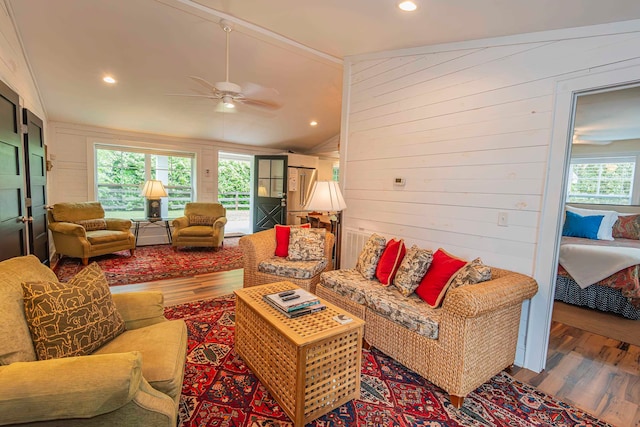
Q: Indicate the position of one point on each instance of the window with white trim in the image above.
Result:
(122, 171)
(601, 180)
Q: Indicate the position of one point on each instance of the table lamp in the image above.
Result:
(153, 190)
(327, 197)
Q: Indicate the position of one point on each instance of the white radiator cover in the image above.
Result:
(353, 242)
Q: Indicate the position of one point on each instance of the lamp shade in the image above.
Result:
(326, 196)
(153, 189)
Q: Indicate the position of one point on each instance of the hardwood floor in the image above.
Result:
(597, 374)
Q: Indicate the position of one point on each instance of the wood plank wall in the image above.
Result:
(469, 127)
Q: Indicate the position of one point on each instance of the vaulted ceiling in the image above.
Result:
(151, 47)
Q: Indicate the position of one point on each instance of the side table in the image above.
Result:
(152, 221)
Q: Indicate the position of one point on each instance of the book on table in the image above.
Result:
(295, 299)
(298, 312)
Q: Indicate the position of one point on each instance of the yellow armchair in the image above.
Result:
(80, 230)
(202, 225)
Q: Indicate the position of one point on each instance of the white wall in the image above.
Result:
(469, 126)
(14, 70)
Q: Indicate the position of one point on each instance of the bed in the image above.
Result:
(602, 274)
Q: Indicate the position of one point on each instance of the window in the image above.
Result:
(604, 180)
(122, 171)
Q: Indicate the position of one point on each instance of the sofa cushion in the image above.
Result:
(472, 273)
(370, 255)
(306, 244)
(15, 338)
(434, 284)
(73, 318)
(410, 312)
(390, 261)
(412, 269)
(196, 231)
(294, 269)
(163, 347)
(98, 237)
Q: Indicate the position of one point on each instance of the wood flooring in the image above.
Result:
(597, 374)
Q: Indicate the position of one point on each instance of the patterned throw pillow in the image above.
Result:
(414, 266)
(627, 227)
(390, 261)
(370, 255)
(201, 220)
(306, 244)
(93, 224)
(74, 318)
(283, 233)
(472, 273)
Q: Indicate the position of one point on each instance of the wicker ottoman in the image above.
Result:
(310, 364)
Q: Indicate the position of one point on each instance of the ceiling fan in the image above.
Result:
(230, 93)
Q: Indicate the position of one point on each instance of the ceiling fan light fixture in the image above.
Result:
(407, 5)
(109, 79)
(227, 101)
(313, 123)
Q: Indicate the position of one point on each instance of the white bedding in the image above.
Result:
(588, 264)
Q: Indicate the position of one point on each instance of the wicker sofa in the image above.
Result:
(260, 247)
(458, 346)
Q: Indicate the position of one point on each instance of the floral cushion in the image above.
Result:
(472, 273)
(412, 269)
(627, 227)
(293, 269)
(201, 220)
(410, 312)
(93, 224)
(370, 255)
(306, 244)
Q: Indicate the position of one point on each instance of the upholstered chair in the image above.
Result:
(98, 373)
(202, 225)
(80, 230)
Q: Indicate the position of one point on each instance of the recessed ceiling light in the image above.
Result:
(313, 123)
(109, 79)
(407, 6)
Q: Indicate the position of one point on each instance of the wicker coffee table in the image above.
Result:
(310, 364)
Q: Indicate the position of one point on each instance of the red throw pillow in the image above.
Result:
(434, 284)
(390, 261)
(282, 239)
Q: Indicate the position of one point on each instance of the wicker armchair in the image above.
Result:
(260, 246)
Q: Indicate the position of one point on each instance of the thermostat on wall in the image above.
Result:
(398, 181)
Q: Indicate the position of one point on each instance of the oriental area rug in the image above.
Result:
(157, 262)
(219, 389)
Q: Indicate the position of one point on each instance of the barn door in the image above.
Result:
(13, 216)
(36, 171)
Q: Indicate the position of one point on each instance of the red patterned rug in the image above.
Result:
(219, 389)
(157, 262)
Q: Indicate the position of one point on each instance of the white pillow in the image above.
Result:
(606, 226)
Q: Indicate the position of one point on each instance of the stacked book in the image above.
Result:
(294, 303)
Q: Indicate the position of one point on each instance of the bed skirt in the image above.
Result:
(595, 296)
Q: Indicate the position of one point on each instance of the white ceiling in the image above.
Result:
(296, 47)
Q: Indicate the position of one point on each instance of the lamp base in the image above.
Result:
(154, 209)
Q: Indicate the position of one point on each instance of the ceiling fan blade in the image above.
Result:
(255, 91)
(203, 82)
(270, 105)
(192, 95)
